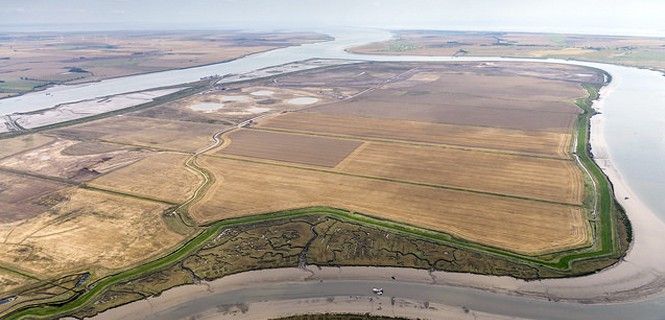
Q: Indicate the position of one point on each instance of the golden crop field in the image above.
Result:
(524, 226)
(289, 147)
(554, 144)
(146, 132)
(10, 280)
(86, 230)
(22, 143)
(162, 176)
(548, 179)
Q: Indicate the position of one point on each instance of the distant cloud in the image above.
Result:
(588, 16)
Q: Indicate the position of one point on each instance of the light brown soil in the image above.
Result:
(548, 179)
(10, 281)
(22, 143)
(56, 159)
(533, 142)
(511, 102)
(86, 230)
(19, 196)
(234, 104)
(297, 148)
(167, 134)
(161, 176)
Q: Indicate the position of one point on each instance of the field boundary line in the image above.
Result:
(379, 178)
(98, 188)
(409, 142)
(41, 176)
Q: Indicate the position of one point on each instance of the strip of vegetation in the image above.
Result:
(339, 237)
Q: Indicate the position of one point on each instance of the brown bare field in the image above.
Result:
(298, 148)
(22, 143)
(524, 226)
(538, 178)
(20, 195)
(554, 144)
(86, 230)
(455, 115)
(495, 91)
(70, 159)
(511, 102)
(167, 134)
(161, 176)
(633, 51)
(35, 59)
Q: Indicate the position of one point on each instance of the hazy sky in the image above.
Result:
(583, 16)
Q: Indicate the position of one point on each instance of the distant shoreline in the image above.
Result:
(74, 83)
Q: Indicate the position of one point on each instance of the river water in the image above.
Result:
(633, 130)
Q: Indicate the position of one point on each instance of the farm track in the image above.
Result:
(208, 178)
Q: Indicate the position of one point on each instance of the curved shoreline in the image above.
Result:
(289, 291)
(82, 83)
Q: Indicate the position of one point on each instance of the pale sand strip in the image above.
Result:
(172, 302)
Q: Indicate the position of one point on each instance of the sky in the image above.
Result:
(635, 17)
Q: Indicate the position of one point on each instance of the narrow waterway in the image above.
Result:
(628, 141)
